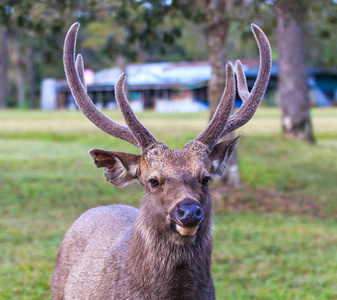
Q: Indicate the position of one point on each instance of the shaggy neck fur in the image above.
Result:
(174, 270)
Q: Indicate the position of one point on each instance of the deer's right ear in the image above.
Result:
(119, 168)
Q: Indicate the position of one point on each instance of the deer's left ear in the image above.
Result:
(220, 155)
(119, 168)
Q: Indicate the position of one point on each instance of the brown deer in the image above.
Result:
(163, 250)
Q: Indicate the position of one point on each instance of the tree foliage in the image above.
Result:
(153, 30)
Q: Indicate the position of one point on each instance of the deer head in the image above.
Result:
(176, 198)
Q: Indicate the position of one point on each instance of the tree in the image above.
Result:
(217, 24)
(322, 37)
(42, 25)
(293, 77)
(17, 55)
(4, 67)
(27, 26)
(304, 29)
(218, 15)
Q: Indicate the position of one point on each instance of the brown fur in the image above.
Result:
(118, 252)
(163, 250)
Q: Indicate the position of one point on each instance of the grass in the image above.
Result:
(278, 257)
(275, 238)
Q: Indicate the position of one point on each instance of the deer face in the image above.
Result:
(176, 193)
(176, 197)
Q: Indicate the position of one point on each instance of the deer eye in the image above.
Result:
(206, 180)
(154, 182)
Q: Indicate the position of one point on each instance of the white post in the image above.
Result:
(48, 94)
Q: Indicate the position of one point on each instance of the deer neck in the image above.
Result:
(155, 263)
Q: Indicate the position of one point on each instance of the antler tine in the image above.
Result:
(213, 132)
(142, 135)
(242, 82)
(80, 70)
(76, 84)
(251, 100)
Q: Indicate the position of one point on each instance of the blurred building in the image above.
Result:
(173, 87)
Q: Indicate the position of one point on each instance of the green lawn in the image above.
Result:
(275, 238)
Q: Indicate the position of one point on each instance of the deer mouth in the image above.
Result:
(183, 230)
(187, 230)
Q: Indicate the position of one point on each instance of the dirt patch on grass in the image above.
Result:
(247, 199)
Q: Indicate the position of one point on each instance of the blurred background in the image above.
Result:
(276, 205)
(174, 48)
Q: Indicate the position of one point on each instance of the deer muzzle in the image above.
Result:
(186, 216)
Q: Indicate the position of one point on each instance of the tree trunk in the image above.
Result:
(216, 39)
(293, 85)
(4, 68)
(17, 57)
(20, 85)
(31, 75)
(216, 34)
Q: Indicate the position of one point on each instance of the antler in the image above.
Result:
(75, 76)
(136, 134)
(211, 134)
(251, 100)
(80, 70)
(142, 135)
(221, 123)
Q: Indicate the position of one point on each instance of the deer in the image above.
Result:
(163, 249)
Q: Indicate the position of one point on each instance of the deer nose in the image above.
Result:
(189, 215)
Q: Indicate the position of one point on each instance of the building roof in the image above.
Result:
(164, 74)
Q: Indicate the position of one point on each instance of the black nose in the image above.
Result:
(189, 215)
